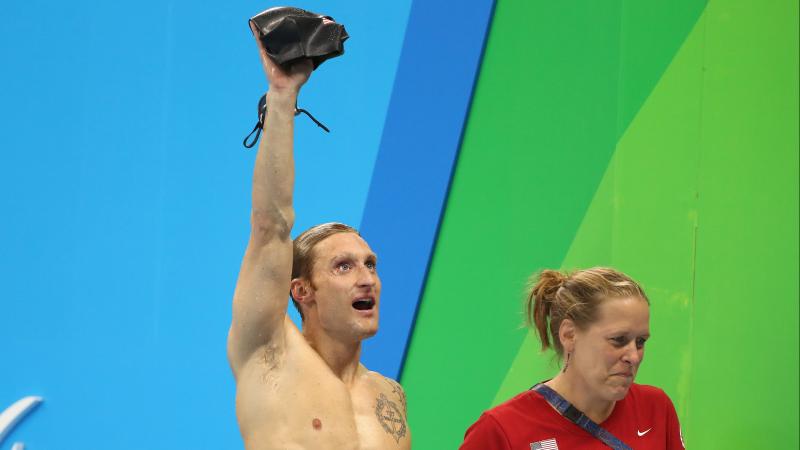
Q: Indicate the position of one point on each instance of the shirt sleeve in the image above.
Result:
(485, 434)
(674, 434)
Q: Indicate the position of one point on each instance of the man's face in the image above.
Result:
(608, 353)
(346, 286)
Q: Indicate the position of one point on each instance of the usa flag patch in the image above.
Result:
(547, 444)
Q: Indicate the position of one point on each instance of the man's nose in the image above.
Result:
(366, 276)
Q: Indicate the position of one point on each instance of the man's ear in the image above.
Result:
(301, 290)
(566, 334)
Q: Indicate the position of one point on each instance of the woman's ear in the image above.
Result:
(566, 334)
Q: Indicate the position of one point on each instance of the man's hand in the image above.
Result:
(288, 79)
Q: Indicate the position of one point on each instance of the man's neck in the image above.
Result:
(341, 357)
(577, 393)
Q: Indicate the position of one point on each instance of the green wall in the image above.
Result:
(657, 137)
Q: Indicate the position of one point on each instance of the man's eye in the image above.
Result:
(371, 265)
(640, 342)
(344, 266)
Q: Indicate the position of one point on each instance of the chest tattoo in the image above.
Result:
(390, 417)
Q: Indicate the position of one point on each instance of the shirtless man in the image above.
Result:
(305, 390)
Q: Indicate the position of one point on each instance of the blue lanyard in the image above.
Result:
(578, 418)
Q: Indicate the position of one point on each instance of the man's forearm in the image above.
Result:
(273, 177)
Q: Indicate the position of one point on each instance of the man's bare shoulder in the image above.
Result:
(387, 390)
(391, 383)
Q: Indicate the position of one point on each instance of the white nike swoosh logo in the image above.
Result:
(642, 433)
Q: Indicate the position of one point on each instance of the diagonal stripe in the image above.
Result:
(421, 137)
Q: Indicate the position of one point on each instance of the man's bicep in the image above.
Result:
(260, 299)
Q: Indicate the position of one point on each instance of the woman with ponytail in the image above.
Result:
(597, 321)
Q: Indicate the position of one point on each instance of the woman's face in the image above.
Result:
(607, 355)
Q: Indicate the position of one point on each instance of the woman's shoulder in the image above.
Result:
(522, 418)
(521, 404)
(524, 408)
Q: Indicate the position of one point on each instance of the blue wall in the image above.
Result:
(125, 201)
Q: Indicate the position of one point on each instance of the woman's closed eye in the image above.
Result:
(619, 341)
(622, 341)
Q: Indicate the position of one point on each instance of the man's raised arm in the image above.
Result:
(260, 299)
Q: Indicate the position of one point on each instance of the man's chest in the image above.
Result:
(313, 408)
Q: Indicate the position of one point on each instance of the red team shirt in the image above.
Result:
(645, 419)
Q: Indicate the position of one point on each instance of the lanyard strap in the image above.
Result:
(262, 113)
(578, 418)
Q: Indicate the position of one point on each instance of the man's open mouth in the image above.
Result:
(364, 304)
